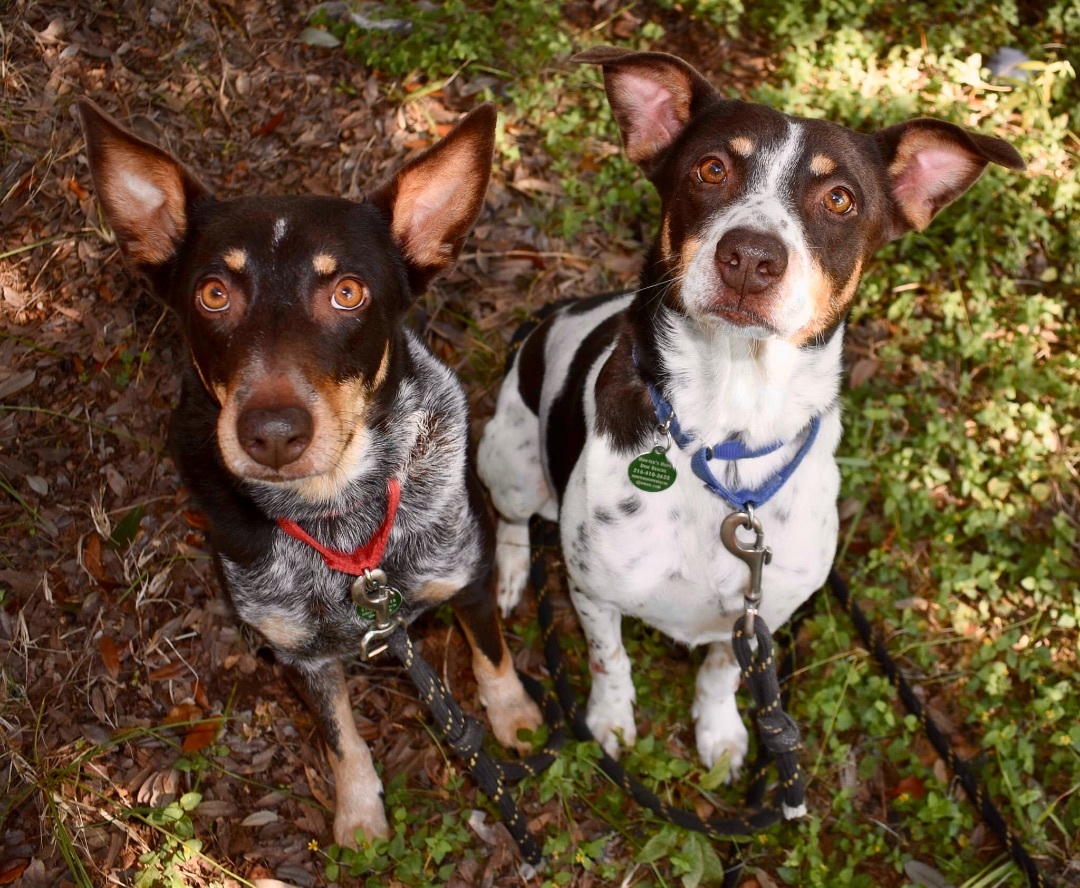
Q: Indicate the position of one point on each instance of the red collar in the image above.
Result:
(362, 558)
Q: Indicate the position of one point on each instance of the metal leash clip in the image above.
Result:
(755, 556)
(376, 600)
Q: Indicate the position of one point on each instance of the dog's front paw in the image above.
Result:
(611, 720)
(720, 730)
(509, 708)
(363, 811)
(508, 719)
(511, 564)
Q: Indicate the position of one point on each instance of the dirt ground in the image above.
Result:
(111, 626)
(114, 637)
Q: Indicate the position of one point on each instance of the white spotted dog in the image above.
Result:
(734, 339)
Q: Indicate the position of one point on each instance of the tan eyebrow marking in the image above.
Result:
(324, 263)
(742, 146)
(822, 165)
(235, 259)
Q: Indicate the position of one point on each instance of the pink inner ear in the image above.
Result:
(435, 205)
(933, 172)
(653, 113)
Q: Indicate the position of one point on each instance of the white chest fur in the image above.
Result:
(658, 556)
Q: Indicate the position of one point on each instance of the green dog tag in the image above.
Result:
(395, 602)
(652, 472)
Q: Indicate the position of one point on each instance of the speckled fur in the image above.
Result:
(436, 537)
(296, 404)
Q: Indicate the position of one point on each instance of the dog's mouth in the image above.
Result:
(737, 315)
(276, 477)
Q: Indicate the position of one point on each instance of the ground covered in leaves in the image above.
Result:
(112, 627)
(145, 738)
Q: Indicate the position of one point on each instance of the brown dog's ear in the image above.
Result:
(931, 163)
(433, 201)
(145, 192)
(653, 96)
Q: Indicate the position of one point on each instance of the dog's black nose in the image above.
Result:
(750, 261)
(275, 437)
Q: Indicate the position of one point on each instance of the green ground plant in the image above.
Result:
(959, 460)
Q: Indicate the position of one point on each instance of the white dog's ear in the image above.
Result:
(652, 94)
(145, 192)
(433, 201)
(931, 163)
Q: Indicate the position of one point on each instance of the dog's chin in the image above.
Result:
(315, 482)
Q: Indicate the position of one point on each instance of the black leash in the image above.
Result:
(378, 603)
(975, 789)
(375, 602)
(779, 735)
(465, 736)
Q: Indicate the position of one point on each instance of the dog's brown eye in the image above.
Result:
(839, 201)
(349, 294)
(213, 296)
(712, 172)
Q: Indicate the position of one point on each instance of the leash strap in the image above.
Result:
(465, 736)
(777, 730)
(364, 557)
(758, 817)
(973, 787)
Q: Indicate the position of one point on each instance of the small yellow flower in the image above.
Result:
(313, 845)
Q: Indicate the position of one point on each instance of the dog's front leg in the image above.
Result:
(719, 727)
(511, 563)
(359, 791)
(509, 707)
(611, 699)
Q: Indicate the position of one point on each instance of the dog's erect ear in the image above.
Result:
(653, 96)
(931, 163)
(145, 192)
(433, 201)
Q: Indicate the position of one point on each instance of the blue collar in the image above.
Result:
(732, 449)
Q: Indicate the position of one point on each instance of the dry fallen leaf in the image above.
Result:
(269, 126)
(181, 713)
(195, 519)
(92, 557)
(910, 786)
(201, 735)
(110, 656)
(10, 870)
(77, 189)
(167, 672)
(259, 818)
(862, 371)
